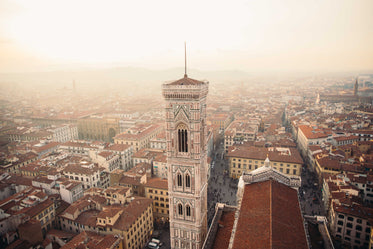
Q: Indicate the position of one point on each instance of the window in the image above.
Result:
(187, 180)
(350, 218)
(180, 209)
(182, 134)
(179, 180)
(188, 210)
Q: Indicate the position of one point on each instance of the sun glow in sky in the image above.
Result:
(39, 35)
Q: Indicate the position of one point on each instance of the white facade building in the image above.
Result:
(70, 190)
(64, 133)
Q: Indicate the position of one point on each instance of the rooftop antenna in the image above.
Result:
(185, 64)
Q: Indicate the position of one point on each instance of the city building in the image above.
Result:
(160, 166)
(29, 204)
(157, 189)
(140, 136)
(248, 158)
(13, 164)
(134, 179)
(307, 136)
(98, 128)
(221, 120)
(64, 133)
(124, 151)
(70, 190)
(239, 132)
(106, 159)
(133, 222)
(159, 142)
(88, 174)
(186, 135)
(91, 239)
(350, 223)
(78, 148)
(113, 195)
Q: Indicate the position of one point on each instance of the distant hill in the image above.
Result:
(122, 75)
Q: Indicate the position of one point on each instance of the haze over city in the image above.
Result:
(186, 124)
(251, 36)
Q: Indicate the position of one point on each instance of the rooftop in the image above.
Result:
(270, 218)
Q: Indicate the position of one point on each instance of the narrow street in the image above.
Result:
(221, 188)
(310, 196)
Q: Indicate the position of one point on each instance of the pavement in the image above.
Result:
(221, 188)
(310, 196)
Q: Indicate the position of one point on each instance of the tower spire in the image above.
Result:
(356, 86)
(185, 62)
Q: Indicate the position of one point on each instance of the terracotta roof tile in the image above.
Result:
(186, 81)
(311, 133)
(270, 218)
(157, 183)
(224, 230)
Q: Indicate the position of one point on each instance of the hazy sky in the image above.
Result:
(43, 35)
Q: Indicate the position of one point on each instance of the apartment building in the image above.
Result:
(157, 189)
(133, 221)
(247, 158)
(139, 137)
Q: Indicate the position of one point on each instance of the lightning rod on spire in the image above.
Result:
(185, 63)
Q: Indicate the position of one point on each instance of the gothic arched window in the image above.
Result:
(179, 180)
(180, 209)
(188, 210)
(187, 180)
(182, 137)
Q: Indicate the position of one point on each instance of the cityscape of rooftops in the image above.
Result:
(186, 124)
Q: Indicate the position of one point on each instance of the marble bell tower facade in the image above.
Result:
(186, 161)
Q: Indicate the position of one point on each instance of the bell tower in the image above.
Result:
(186, 161)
